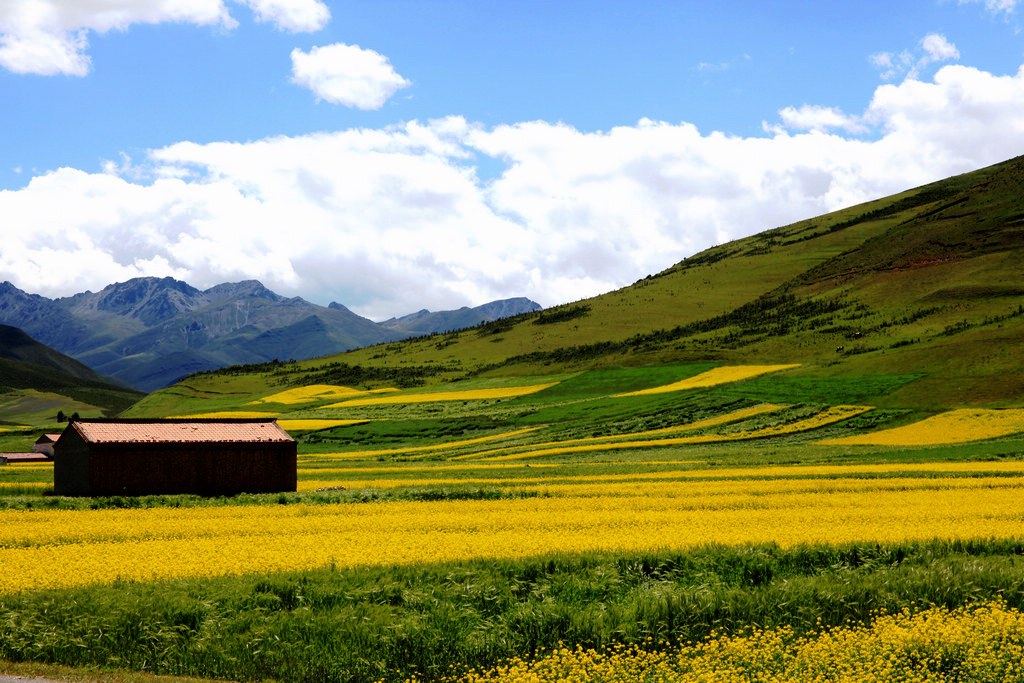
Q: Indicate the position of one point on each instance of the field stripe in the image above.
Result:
(713, 377)
(954, 426)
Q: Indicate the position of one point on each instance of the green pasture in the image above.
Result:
(455, 440)
(923, 283)
(579, 405)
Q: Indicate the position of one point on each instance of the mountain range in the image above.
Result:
(148, 332)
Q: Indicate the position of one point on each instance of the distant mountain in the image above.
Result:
(18, 347)
(150, 332)
(426, 322)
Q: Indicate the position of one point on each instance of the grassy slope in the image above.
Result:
(924, 282)
(36, 382)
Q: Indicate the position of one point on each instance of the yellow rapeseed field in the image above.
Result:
(552, 479)
(954, 426)
(430, 397)
(304, 460)
(314, 392)
(828, 471)
(55, 548)
(22, 466)
(983, 643)
(751, 492)
(361, 484)
(299, 424)
(661, 484)
(227, 414)
(8, 486)
(713, 377)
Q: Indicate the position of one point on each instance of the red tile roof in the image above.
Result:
(24, 457)
(181, 431)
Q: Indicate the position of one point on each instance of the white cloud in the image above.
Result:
(817, 118)
(43, 53)
(392, 220)
(1004, 7)
(347, 74)
(934, 48)
(49, 37)
(891, 65)
(954, 116)
(938, 48)
(291, 15)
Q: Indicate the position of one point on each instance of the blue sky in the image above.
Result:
(394, 155)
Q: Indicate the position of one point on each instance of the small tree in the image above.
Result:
(61, 417)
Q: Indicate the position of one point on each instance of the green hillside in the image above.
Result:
(924, 283)
(36, 382)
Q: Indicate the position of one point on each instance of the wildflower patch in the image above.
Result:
(971, 643)
(954, 426)
(430, 397)
(713, 377)
(315, 392)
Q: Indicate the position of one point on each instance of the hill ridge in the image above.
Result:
(920, 282)
(31, 369)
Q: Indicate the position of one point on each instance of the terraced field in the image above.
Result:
(516, 472)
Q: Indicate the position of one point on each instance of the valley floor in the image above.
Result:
(441, 530)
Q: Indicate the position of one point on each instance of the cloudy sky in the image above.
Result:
(394, 155)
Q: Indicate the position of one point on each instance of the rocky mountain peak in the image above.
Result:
(427, 322)
(240, 290)
(148, 299)
(507, 307)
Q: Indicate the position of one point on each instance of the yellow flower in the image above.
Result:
(430, 397)
(713, 377)
(314, 392)
(73, 547)
(954, 426)
(984, 643)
